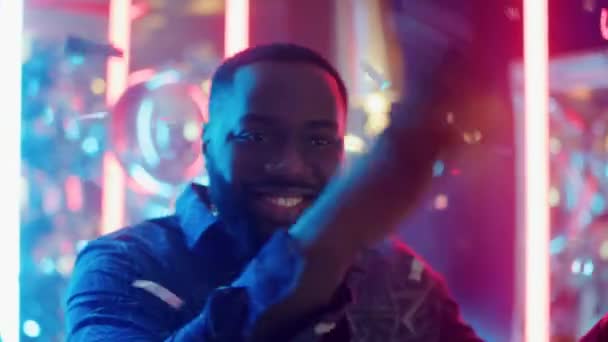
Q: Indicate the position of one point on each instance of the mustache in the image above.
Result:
(281, 185)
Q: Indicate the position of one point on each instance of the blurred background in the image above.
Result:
(90, 165)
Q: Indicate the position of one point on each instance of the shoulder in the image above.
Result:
(400, 262)
(149, 242)
(146, 232)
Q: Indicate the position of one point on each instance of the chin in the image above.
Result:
(268, 227)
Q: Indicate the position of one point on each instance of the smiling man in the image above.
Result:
(275, 138)
(283, 245)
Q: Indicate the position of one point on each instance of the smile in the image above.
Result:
(285, 202)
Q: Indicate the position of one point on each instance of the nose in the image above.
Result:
(289, 163)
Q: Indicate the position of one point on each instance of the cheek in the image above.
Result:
(220, 161)
(328, 165)
(240, 165)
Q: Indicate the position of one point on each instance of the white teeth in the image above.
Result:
(286, 202)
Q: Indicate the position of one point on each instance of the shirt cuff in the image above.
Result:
(268, 279)
(273, 274)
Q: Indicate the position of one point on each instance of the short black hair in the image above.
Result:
(277, 52)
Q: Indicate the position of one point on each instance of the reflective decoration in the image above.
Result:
(578, 193)
(156, 130)
(67, 128)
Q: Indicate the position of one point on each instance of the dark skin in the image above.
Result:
(277, 142)
(278, 138)
(274, 138)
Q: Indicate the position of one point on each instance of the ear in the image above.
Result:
(206, 138)
(205, 143)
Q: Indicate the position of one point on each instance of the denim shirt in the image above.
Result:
(184, 278)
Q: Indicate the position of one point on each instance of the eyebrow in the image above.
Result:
(322, 124)
(256, 118)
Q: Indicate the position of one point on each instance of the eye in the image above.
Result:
(321, 141)
(251, 136)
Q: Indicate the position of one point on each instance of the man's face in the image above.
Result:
(274, 143)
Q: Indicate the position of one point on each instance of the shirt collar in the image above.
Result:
(195, 214)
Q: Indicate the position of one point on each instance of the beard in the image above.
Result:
(243, 205)
(238, 219)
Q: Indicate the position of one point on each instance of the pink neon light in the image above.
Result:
(604, 23)
(140, 76)
(113, 198)
(536, 172)
(119, 33)
(236, 31)
(73, 193)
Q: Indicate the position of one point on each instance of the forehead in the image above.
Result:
(287, 90)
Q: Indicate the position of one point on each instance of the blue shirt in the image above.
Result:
(184, 278)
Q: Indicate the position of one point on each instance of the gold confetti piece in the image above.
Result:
(472, 137)
(354, 144)
(160, 292)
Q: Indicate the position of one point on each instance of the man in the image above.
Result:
(282, 245)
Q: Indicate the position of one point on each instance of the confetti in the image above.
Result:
(324, 327)
(512, 13)
(449, 118)
(438, 168)
(472, 137)
(160, 292)
(416, 270)
(354, 144)
(376, 76)
(92, 116)
(441, 202)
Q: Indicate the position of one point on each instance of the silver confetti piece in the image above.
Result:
(416, 270)
(376, 76)
(159, 291)
(92, 116)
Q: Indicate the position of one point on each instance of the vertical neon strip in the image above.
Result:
(11, 40)
(114, 178)
(535, 210)
(236, 31)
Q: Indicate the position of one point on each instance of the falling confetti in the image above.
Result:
(92, 116)
(354, 144)
(438, 168)
(416, 270)
(324, 328)
(472, 137)
(441, 202)
(376, 76)
(449, 118)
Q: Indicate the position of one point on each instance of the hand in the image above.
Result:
(353, 212)
(431, 34)
(435, 39)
